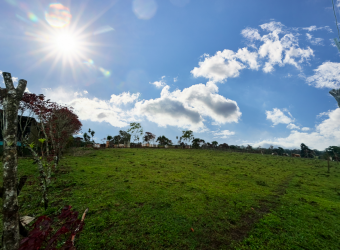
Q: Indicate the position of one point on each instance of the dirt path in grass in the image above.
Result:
(248, 220)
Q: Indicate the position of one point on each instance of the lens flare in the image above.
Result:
(144, 9)
(58, 15)
(32, 17)
(105, 72)
(92, 66)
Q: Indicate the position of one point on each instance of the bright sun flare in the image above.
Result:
(65, 43)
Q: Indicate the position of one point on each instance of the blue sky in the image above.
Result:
(238, 72)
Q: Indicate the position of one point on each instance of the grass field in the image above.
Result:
(153, 198)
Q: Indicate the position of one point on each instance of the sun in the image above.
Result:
(65, 42)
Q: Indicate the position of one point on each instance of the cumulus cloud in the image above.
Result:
(276, 50)
(305, 129)
(223, 134)
(277, 116)
(326, 134)
(183, 109)
(292, 126)
(225, 64)
(124, 98)
(159, 84)
(327, 75)
(277, 47)
(176, 79)
(187, 108)
(282, 51)
(251, 34)
(314, 41)
(93, 109)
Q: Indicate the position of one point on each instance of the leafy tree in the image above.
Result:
(87, 138)
(136, 129)
(117, 139)
(225, 145)
(163, 140)
(125, 136)
(306, 151)
(187, 135)
(196, 142)
(149, 137)
(214, 143)
(280, 151)
(92, 134)
(109, 138)
(333, 151)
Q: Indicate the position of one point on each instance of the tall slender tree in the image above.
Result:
(136, 129)
(187, 135)
(12, 97)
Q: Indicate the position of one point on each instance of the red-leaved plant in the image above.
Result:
(43, 236)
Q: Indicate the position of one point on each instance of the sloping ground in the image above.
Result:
(194, 199)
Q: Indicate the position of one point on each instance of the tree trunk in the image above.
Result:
(43, 178)
(12, 97)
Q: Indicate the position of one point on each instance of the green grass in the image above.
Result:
(151, 198)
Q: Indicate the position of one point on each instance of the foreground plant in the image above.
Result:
(43, 236)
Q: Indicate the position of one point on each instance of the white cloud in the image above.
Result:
(305, 129)
(224, 64)
(273, 50)
(288, 75)
(327, 75)
(176, 79)
(277, 116)
(184, 109)
(187, 108)
(26, 90)
(323, 114)
(251, 34)
(314, 28)
(223, 134)
(76, 94)
(314, 41)
(326, 134)
(15, 79)
(91, 109)
(124, 98)
(272, 26)
(292, 126)
(159, 84)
